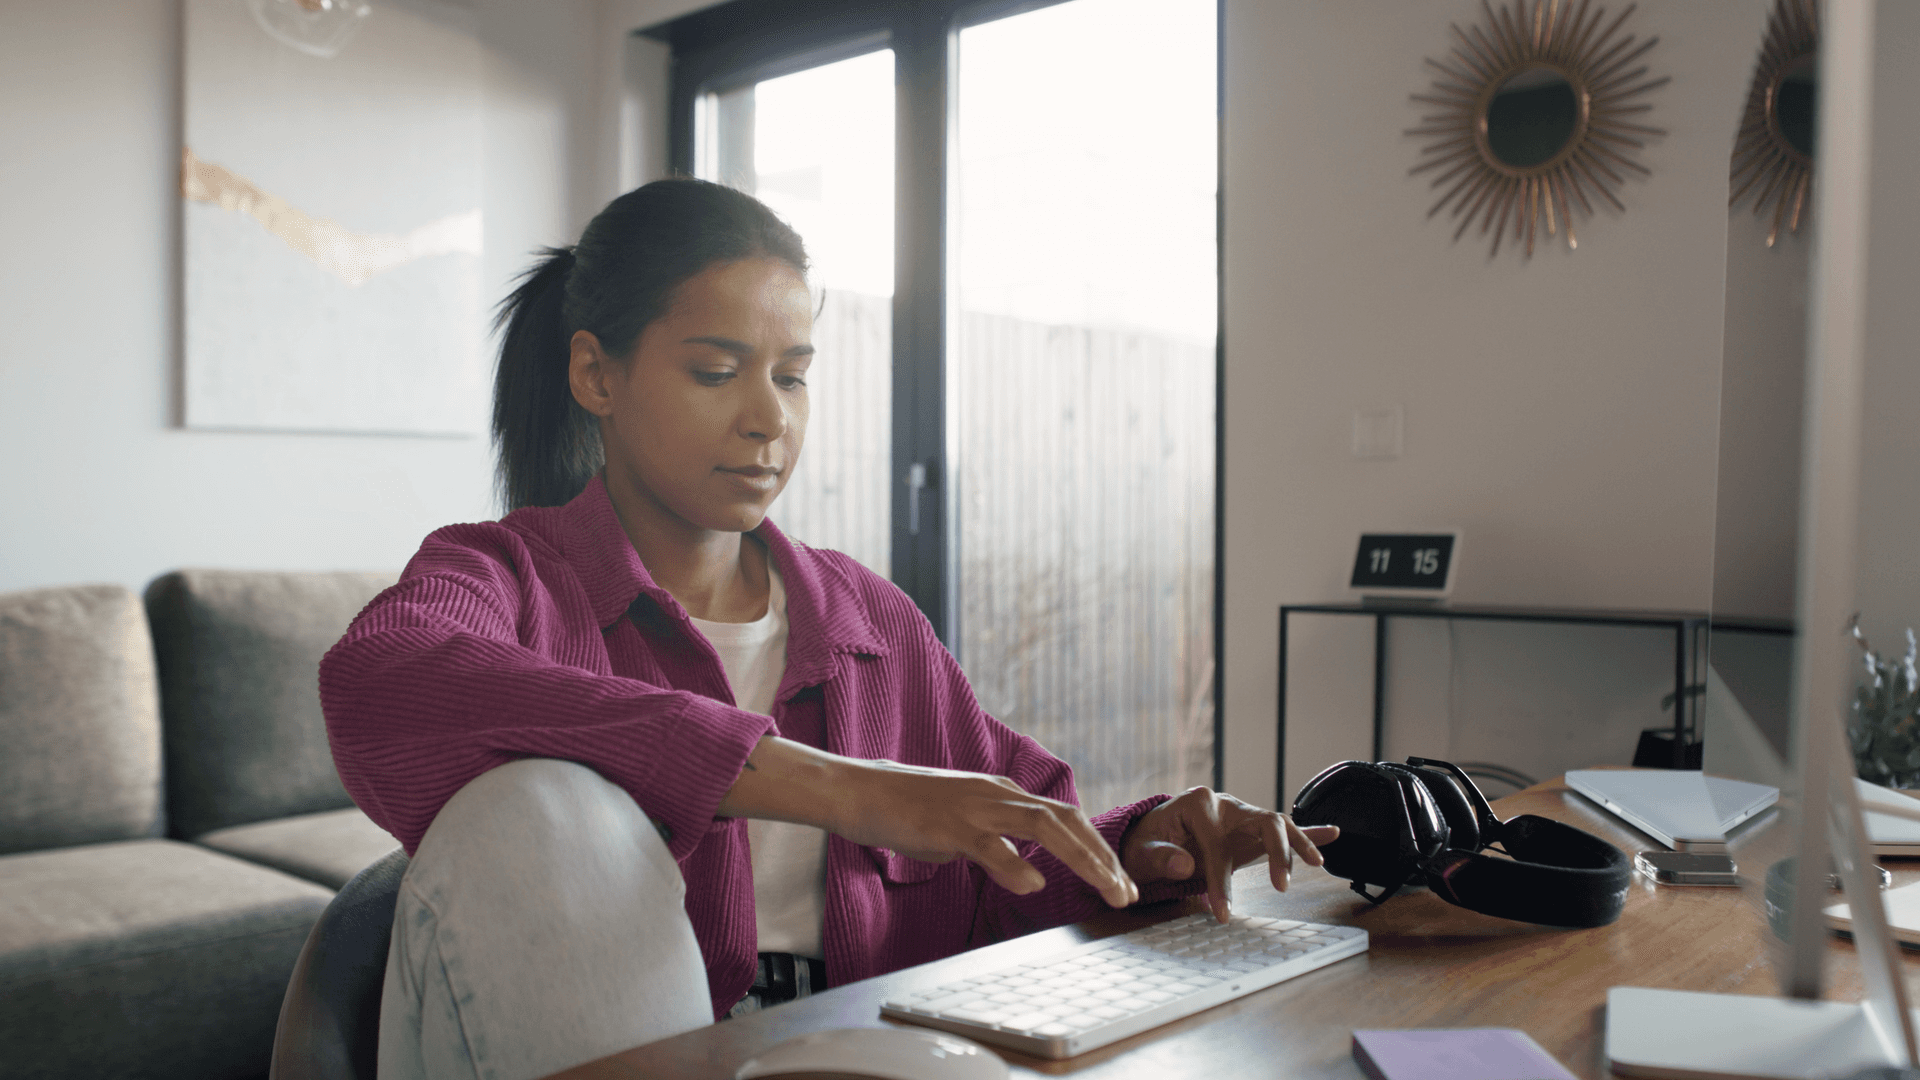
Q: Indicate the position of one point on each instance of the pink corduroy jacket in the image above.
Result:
(542, 635)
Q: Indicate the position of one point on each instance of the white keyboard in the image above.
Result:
(1106, 990)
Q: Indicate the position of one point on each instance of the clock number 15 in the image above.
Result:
(1425, 560)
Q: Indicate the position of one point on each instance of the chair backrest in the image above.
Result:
(239, 655)
(79, 719)
(330, 1019)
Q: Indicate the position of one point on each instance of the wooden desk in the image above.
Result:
(1430, 965)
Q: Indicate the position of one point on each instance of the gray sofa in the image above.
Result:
(170, 821)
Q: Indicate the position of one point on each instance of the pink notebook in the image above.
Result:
(1455, 1054)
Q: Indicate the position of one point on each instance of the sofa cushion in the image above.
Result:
(145, 958)
(79, 721)
(239, 655)
(329, 847)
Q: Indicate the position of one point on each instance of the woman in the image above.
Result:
(652, 758)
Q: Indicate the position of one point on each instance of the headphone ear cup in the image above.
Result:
(1366, 801)
(1461, 822)
(1432, 833)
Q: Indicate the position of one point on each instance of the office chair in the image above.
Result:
(330, 1019)
(1485, 773)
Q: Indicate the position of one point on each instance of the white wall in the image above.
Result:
(98, 482)
(1562, 412)
(1889, 566)
(1762, 389)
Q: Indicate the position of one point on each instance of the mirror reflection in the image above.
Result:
(1795, 104)
(1532, 117)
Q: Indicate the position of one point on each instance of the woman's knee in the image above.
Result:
(541, 817)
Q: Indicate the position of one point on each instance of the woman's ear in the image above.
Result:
(588, 368)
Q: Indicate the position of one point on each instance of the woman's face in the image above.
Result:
(704, 422)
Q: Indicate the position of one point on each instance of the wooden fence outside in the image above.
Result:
(1084, 496)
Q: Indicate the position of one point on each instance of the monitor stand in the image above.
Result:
(1683, 1035)
(1687, 1035)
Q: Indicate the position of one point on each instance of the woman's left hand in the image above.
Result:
(1212, 833)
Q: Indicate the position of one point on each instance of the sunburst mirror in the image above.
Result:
(1535, 111)
(1773, 154)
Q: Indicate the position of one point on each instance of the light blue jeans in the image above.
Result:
(541, 924)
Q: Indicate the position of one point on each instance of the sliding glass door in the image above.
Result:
(833, 182)
(1014, 218)
(1082, 379)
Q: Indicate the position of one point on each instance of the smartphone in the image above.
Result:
(1884, 875)
(1686, 868)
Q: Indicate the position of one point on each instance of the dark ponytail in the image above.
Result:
(621, 276)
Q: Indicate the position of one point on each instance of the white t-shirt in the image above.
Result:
(789, 861)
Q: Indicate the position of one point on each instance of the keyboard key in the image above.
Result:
(1156, 997)
(1108, 1012)
(1179, 989)
(977, 1016)
(1087, 1004)
(1055, 1030)
(1082, 1022)
(1027, 1022)
(949, 1001)
(1133, 1004)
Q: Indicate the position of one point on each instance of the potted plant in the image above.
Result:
(1885, 727)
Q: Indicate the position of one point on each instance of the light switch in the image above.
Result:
(1377, 433)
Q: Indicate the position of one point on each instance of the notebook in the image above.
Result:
(1686, 810)
(1455, 1054)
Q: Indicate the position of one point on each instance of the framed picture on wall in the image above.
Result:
(331, 225)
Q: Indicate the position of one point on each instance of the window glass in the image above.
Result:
(817, 147)
(1083, 383)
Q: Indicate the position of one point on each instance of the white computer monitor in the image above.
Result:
(1670, 1033)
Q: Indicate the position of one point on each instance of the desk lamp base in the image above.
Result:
(1680, 1035)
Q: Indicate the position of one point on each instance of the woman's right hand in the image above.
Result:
(935, 815)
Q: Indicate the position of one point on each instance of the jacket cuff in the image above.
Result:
(1113, 826)
(696, 768)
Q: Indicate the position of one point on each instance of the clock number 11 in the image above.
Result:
(1377, 560)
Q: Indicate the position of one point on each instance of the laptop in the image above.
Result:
(1890, 835)
(1685, 810)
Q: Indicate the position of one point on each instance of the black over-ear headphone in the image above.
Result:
(1427, 821)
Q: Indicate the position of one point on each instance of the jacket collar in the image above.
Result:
(826, 614)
